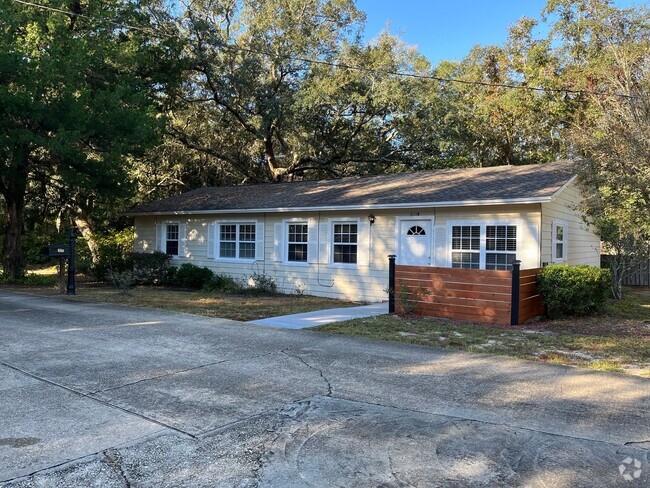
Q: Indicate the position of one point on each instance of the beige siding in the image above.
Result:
(365, 282)
(582, 245)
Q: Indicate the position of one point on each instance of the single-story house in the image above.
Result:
(332, 238)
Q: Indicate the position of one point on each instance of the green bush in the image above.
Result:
(224, 283)
(263, 284)
(114, 254)
(122, 281)
(191, 276)
(574, 290)
(152, 268)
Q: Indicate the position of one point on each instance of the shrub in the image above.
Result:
(152, 268)
(574, 290)
(224, 283)
(263, 284)
(191, 276)
(114, 254)
(123, 281)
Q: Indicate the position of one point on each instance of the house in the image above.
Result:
(332, 238)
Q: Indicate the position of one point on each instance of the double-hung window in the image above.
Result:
(237, 241)
(466, 246)
(558, 244)
(500, 246)
(345, 243)
(297, 236)
(172, 235)
(483, 246)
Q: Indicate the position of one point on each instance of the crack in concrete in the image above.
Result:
(181, 371)
(86, 457)
(95, 399)
(320, 371)
(120, 471)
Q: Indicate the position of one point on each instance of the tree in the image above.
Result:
(78, 100)
(255, 102)
(607, 53)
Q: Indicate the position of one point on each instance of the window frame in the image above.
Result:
(165, 226)
(285, 241)
(238, 241)
(555, 242)
(342, 221)
(483, 224)
(466, 251)
(504, 252)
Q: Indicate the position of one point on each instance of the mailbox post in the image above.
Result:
(63, 252)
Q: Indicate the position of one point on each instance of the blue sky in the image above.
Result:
(449, 29)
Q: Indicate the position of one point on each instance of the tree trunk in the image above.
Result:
(13, 264)
(83, 226)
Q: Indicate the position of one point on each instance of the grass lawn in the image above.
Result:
(228, 306)
(617, 341)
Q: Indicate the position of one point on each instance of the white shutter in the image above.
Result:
(324, 248)
(182, 240)
(259, 241)
(211, 240)
(363, 244)
(441, 252)
(160, 237)
(312, 241)
(277, 242)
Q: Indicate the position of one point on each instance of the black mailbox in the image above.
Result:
(58, 250)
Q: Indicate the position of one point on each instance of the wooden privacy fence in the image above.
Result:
(467, 294)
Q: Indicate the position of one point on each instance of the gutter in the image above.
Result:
(388, 206)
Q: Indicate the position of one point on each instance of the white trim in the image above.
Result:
(483, 223)
(217, 240)
(563, 187)
(285, 241)
(341, 220)
(554, 225)
(163, 240)
(370, 206)
(398, 238)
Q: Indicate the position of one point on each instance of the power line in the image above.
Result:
(341, 65)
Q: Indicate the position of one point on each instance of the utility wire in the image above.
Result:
(340, 65)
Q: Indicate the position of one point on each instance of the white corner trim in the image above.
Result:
(563, 187)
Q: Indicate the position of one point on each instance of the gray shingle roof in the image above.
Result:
(446, 186)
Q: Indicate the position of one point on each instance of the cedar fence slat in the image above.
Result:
(468, 294)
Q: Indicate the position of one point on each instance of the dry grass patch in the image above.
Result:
(617, 341)
(234, 307)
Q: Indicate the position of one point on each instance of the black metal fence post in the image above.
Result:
(391, 283)
(514, 304)
(71, 284)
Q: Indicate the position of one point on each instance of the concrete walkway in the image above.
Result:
(110, 396)
(321, 317)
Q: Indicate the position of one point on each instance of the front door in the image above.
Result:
(415, 242)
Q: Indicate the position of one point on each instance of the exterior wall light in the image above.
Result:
(371, 219)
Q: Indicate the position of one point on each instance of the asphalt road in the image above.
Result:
(110, 396)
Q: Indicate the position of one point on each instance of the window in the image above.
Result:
(171, 239)
(466, 246)
(345, 243)
(237, 241)
(500, 246)
(297, 243)
(416, 230)
(559, 242)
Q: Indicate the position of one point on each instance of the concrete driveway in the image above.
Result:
(102, 395)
